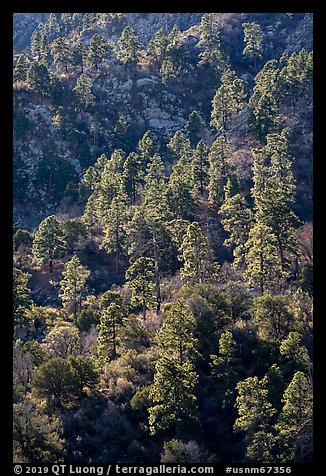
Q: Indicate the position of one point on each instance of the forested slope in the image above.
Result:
(163, 237)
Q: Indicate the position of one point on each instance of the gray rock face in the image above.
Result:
(23, 26)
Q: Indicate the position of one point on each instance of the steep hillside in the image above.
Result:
(163, 238)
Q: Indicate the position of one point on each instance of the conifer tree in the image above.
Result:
(274, 194)
(49, 242)
(78, 55)
(253, 38)
(200, 166)
(38, 78)
(228, 100)
(36, 48)
(223, 364)
(264, 268)
(174, 403)
(146, 149)
(237, 220)
(139, 278)
(132, 175)
(110, 320)
(115, 222)
(255, 417)
(21, 67)
(61, 53)
(295, 421)
(178, 146)
(194, 127)
(272, 316)
(53, 26)
(176, 337)
(21, 298)
(72, 285)
(212, 51)
(83, 91)
(199, 265)
(220, 169)
(156, 49)
(129, 47)
(97, 50)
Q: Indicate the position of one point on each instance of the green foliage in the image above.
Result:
(272, 315)
(176, 337)
(295, 421)
(72, 285)
(49, 242)
(97, 50)
(198, 263)
(139, 278)
(129, 47)
(253, 38)
(212, 52)
(37, 437)
(174, 403)
(57, 381)
(61, 53)
(21, 66)
(38, 78)
(21, 238)
(110, 320)
(221, 169)
(83, 91)
(228, 100)
(21, 298)
(200, 166)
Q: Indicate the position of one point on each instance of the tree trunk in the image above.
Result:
(157, 276)
(51, 266)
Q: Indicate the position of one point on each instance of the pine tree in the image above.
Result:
(295, 421)
(274, 194)
(146, 149)
(110, 320)
(224, 364)
(83, 91)
(228, 100)
(255, 416)
(220, 170)
(66, 22)
(21, 298)
(97, 50)
(36, 48)
(212, 51)
(176, 337)
(61, 53)
(272, 316)
(174, 403)
(253, 38)
(156, 49)
(200, 167)
(53, 26)
(264, 268)
(237, 220)
(178, 147)
(129, 47)
(38, 78)
(49, 242)
(21, 67)
(78, 55)
(180, 192)
(132, 175)
(199, 265)
(115, 222)
(139, 278)
(194, 127)
(72, 285)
